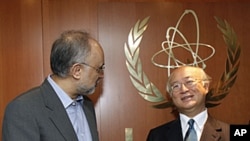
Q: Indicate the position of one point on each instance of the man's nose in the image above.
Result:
(184, 88)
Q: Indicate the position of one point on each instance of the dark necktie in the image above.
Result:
(191, 133)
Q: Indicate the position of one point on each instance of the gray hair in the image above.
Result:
(70, 48)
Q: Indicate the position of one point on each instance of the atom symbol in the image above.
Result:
(170, 45)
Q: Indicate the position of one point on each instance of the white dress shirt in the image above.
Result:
(199, 123)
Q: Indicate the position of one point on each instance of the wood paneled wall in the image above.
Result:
(21, 49)
(28, 28)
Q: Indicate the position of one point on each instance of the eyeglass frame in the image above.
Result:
(99, 70)
(187, 85)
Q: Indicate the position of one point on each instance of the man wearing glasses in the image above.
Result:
(59, 109)
(188, 87)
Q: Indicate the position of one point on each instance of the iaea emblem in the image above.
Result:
(150, 92)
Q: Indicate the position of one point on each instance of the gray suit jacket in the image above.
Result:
(214, 130)
(38, 115)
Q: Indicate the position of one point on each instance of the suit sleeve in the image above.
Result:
(150, 136)
(19, 124)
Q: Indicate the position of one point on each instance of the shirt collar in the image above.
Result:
(63, 96)
(200, 120)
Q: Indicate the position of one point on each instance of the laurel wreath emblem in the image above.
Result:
(152, 94)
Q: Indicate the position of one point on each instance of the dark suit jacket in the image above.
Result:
(39, 115)
(214, 130)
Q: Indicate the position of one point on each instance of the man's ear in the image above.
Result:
(75, 71)
(206, 86)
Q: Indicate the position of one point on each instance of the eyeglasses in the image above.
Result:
(99, 70)
(190, 83)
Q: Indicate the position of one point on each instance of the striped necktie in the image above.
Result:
(191, 133)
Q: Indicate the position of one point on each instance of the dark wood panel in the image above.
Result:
(28, 28)
(62, 15)
(172, 1)
(21, 63)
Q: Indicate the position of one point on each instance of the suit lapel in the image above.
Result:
(56, 112)
(212, 131)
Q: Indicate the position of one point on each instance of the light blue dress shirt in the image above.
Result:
(75, 112)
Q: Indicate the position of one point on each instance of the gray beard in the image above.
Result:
(85, 91)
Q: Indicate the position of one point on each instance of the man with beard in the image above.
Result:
(59, 109)
(188, 87)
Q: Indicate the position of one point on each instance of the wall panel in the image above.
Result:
(21, 60)
(29, 27)
(62, 15)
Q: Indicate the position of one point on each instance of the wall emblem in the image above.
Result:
(148, 91)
